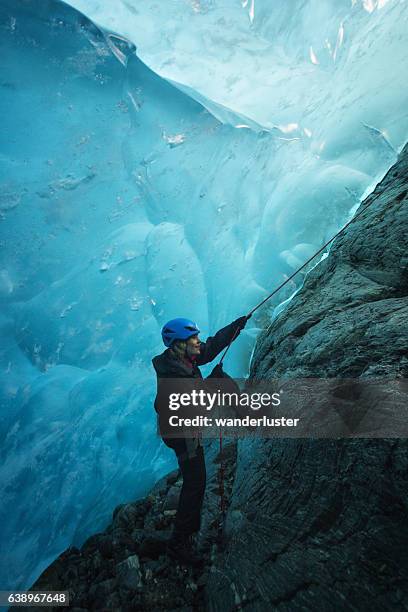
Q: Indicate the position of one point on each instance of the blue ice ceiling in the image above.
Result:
(127, 200)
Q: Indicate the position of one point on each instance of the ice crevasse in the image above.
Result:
(160, 159)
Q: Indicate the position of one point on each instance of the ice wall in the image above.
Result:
(279, 63)
(325, 78)
(124, 200)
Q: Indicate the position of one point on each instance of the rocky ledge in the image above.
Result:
(126, 568)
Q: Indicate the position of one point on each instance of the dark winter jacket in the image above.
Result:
(169, 367)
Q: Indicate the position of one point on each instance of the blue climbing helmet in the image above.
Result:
(178, 329)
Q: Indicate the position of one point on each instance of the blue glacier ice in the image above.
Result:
(134, 192)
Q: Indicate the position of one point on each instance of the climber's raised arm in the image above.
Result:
(215, 344)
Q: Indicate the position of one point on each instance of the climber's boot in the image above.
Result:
(180, 548)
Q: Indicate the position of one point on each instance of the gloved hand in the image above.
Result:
(242, 321)
(227, 384)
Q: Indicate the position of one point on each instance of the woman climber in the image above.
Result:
(184, 353)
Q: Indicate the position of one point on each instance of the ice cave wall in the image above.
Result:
(123, 198)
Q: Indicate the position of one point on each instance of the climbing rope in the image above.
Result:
(286, 281)
(221, 478)
(221, 490)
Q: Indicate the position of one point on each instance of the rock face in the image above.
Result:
(311, 524)
(322, 524)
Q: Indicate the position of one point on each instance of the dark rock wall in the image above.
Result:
(322, 524)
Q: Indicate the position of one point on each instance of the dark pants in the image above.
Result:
(188, 517)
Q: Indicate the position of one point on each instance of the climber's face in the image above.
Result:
(193, 346)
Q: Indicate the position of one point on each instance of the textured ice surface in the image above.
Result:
(124, 201)
(330, 67)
